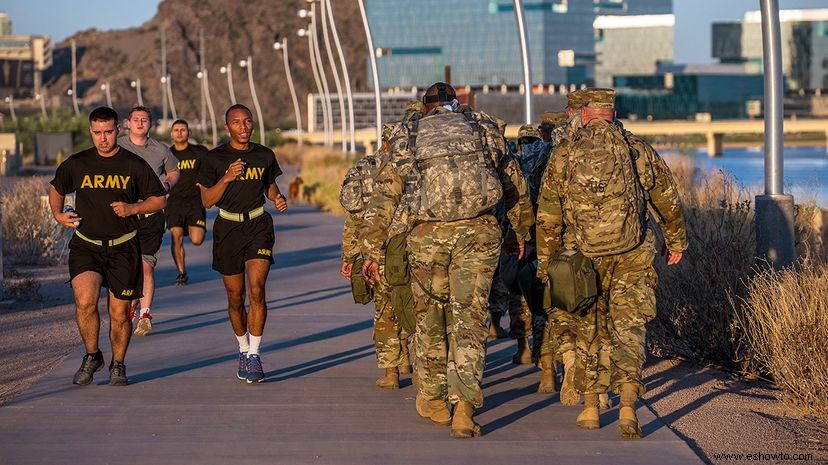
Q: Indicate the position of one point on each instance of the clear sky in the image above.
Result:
(61, 18)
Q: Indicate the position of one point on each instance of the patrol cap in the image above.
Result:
(439, 92)
(528, 130)
(550, 119)
(598, 98)
(575, 100)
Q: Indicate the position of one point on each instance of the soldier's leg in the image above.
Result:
(386, 339)
(498, 306)
(562, 329)
(538, 324)
(520, 327)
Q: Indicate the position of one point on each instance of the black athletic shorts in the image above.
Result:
(236, 242)
(120, 265)
(186, 216)
(150, 233)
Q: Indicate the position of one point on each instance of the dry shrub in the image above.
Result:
(785, 316)
(30, 234)
(290, 154)
(323, 172)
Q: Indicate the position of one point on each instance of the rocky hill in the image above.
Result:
(232, 31)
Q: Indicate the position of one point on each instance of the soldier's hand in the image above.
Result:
(370, 272)
(521, 249)
(280, 203)
(233, 171)
(123, 209)
(672, 257)
(345, 270)
(68, 219)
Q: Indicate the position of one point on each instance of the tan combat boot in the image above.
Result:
(548, 381)
(462, 423)
(391, 380)
(604, 401)
(523, 356)
(569, 395)
(627, 420)
(589, 418)
(495, 331)
(405, 363)
(434, 410)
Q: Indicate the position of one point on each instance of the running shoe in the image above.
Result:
(117, 374)
(144, 325)
(255, 373)
(181, 279)
(242, 373)
(90, 364)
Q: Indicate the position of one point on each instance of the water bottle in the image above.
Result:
(71, 209)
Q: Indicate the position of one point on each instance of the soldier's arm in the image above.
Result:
(388, 190)
(350, 238)
(516, 198)
(549, 222)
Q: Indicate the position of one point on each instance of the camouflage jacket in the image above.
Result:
(389, 187)
(350, 238)
(655, 178)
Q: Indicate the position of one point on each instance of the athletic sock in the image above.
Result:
(244, 346)
(255, 341)
(145, 311)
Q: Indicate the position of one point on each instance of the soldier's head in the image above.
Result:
(140, 120)
(180, 131)
(527, 134)
(439, 94)
(103, 127)
(599, 104)
(574, 102)
(549, 121)
(238, 120)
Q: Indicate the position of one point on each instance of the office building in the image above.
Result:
(631, 44)
(23, 58)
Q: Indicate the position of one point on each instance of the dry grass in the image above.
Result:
(785, 316)
(323, 172)
(30, 234)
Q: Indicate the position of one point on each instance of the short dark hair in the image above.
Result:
(236, 106)
(181, 121)
(140, 108)
(103, 114)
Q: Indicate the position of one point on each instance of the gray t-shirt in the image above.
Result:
(158, 155)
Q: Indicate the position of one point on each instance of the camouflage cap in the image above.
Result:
(599, 98)
(552, 118)
(414, 106)
(575, 100)
(528, 130)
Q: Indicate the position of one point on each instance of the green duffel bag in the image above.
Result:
(402, 301)
(362, 292)
(574, 282)
(396, 261)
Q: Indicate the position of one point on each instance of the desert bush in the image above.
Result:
(30, 234)
(785, 319)
(323, 172)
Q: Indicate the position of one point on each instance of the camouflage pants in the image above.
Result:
(611, 335)
(387, 331)
(501, 301)
(452, 265)
(560, 333)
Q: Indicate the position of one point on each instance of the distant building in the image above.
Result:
(23, 58)
(804, 45)
(5, 24)
(633, 44)
(633, 7)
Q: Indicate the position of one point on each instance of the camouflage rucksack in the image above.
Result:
(452, 176)
(358, 185)
(603, 198)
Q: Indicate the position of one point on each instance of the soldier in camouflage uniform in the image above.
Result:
(452, 262)
(611, 335)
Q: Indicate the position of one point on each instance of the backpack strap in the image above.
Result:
(413, 127)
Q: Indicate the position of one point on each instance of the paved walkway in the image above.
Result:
(319, 404)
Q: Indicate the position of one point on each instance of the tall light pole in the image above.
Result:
(322, 75)
(163, 77)
(249, 65)
(136, 84)
(527, 65)
(284, 48)
(10, 101)
(74, 88)
(343, 121)
(774, 209)
(347, 77)
(228, 69)
(167, 82)
(42, 100)
(303, 33)
(105, 89)
(205, 88)
(201, 70)
(374, 74)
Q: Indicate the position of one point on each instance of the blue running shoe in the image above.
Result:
(242, 373)
(255, 373)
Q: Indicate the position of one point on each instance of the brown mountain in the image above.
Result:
(232, 31)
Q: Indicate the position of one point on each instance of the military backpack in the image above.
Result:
(359, 185)
(603, 198)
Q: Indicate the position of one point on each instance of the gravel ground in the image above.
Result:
(715, 412)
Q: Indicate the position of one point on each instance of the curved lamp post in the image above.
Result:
(167, 81)
(136, 84)
(303, 33)
(10, 101)
(105, 88)
(249, 65)
(374, 74)
(205, 88)
(228, 70)
(344, 66)
(343, 121)
(284, 48)
(323, 76)
(74, 89)
(527, 66)
(42, 101)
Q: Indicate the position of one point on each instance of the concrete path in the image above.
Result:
(319, 405)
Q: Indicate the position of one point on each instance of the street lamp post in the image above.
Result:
(105, 89)
(10, 101)
(136, 84)
(167, 81)
(205, 88)
(324, 9)
(249, 65)
(374, 73)
(312, 112)
(228, 69)
(323, 76)
(284, 48)
(74, 88)
(527, 65)
(42, 101)
(163, 77)
(344, 66)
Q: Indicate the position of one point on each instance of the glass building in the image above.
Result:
(631, 44)
(633, 7)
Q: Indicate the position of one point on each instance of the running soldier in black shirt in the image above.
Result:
(237, 177)
(111, 186)
(185, 213)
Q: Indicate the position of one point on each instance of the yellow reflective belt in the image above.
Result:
(239, 217)
(141, 216)
(111, 242)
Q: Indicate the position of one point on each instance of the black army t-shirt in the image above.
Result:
(247, 192)
(185, 191)
(98, 181)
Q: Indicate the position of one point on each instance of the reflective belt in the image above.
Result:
(241, 217)
(141, 216)
(110, 242)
